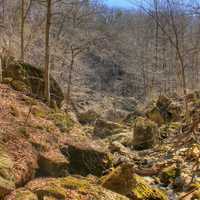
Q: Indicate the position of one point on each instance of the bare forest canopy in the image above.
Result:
(152, 48)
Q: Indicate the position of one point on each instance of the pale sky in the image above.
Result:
(118, 3)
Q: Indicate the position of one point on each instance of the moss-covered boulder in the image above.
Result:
(52, 163)
(88, 117)
(119, 180)
(22, 194)
(86, 157)
(105, 128)
(145, 133)
(26, 77)
(123, 181)
(7, 181)
(164, 110)
(71, 188)
(142, 191)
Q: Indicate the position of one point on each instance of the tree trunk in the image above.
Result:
(3, 11)
(1, 66)
(68, 96)
(22, 30)
(47, 53)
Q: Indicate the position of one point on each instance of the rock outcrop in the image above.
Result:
(29, 79)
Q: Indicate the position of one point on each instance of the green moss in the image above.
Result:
(61, 120)
(123, 181)
(142, 191)
(32, 79)
(38, 111)
(71, 188)
(23, 130)
(168, 175)
(20, 86)
(196, 194)
(88, 117)
(25, 194)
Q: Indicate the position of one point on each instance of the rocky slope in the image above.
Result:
(47, 154)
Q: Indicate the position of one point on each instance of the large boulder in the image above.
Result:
(86, 157)
(52, 163)
(145, 133)
(105, 128)
(70, 188)
(124, 181)
(7, 181)
(164, 110)
(27, 78)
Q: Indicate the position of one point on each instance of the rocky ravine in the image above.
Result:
(46, 154)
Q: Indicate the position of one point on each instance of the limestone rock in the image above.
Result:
(145, 133)
(29, 78)
(53, 163)
(86, 157)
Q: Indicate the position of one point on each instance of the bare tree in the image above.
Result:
(47, 52)
(24, 12)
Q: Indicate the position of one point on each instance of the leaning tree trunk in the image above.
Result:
(47, 53)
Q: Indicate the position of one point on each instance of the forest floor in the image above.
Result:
(47, 154)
